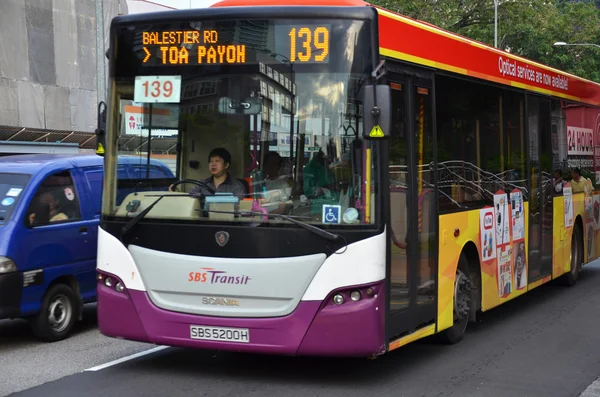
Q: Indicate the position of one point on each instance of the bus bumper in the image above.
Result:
(315, 328)
(11, 290)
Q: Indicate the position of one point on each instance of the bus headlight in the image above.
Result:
(355, 296)
(7, 265)
(111, 282)
(338, 299)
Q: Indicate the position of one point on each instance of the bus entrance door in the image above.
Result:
(413, 209)
(541, 211)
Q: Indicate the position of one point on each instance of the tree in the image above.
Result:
(525, 27)
(579, 23)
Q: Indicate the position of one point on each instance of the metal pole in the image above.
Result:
(100, 63)
(496, 23)
(149, 146)
(292, 114)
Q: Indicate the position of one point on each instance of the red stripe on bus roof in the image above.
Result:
(413, 41)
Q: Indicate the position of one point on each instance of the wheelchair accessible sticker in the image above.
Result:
(331, 214)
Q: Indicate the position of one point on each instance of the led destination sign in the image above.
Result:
(298, 43)
(172, 50)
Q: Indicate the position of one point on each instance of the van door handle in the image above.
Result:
(83, 230)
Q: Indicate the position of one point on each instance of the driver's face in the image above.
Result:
(217, 166)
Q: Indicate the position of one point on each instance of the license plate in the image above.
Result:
(240, 335)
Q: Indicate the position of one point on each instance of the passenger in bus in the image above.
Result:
(220, 181)
(272, 167)
(318, 179)
(558, 181)
(578, 182)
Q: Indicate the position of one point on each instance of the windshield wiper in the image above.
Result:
(142, 214)
(316, 230)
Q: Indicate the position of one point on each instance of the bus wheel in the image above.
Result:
(57, 315)
(570, 278)
(462, 304)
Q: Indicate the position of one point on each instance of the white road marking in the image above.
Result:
(593, 390)
(121, 360)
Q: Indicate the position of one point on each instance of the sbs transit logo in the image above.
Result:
(209, 275)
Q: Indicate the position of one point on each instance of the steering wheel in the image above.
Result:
(193, 182)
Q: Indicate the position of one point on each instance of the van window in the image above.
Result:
(11, 186)
(94, 179)
(134, 174)
(140, 172)
(56, 201)
(122, 172)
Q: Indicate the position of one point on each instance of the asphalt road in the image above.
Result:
(26, 362)
(542, 344)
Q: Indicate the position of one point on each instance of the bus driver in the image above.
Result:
(220, 180)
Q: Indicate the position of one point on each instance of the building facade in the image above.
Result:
(49, 68)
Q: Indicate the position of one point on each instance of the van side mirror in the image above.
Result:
(377, 115)
(101, 130)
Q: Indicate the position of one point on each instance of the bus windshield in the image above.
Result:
(11, 187)
(262, 116)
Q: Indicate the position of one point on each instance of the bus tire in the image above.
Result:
(569, 279)
(57, 315)
(462, 304)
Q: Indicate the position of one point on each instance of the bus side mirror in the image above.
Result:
(377, 116)
(101, 130)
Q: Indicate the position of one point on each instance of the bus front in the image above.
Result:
(271, 238)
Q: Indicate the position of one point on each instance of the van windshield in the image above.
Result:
(11, 189)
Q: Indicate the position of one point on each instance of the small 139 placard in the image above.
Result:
(157, 89)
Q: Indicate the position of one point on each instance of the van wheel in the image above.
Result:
(570, 278)
(462, 304)
(58, 314)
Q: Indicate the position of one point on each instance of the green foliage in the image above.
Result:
(528, 28)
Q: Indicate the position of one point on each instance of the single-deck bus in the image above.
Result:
(349, 180)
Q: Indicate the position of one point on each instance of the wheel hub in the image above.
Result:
(59, 313)
(462, 286)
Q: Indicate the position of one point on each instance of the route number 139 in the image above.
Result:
(303, 40)
(157, 89)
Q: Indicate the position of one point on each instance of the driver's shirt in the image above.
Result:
(230, 185)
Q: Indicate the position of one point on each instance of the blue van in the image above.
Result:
(49, 216)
